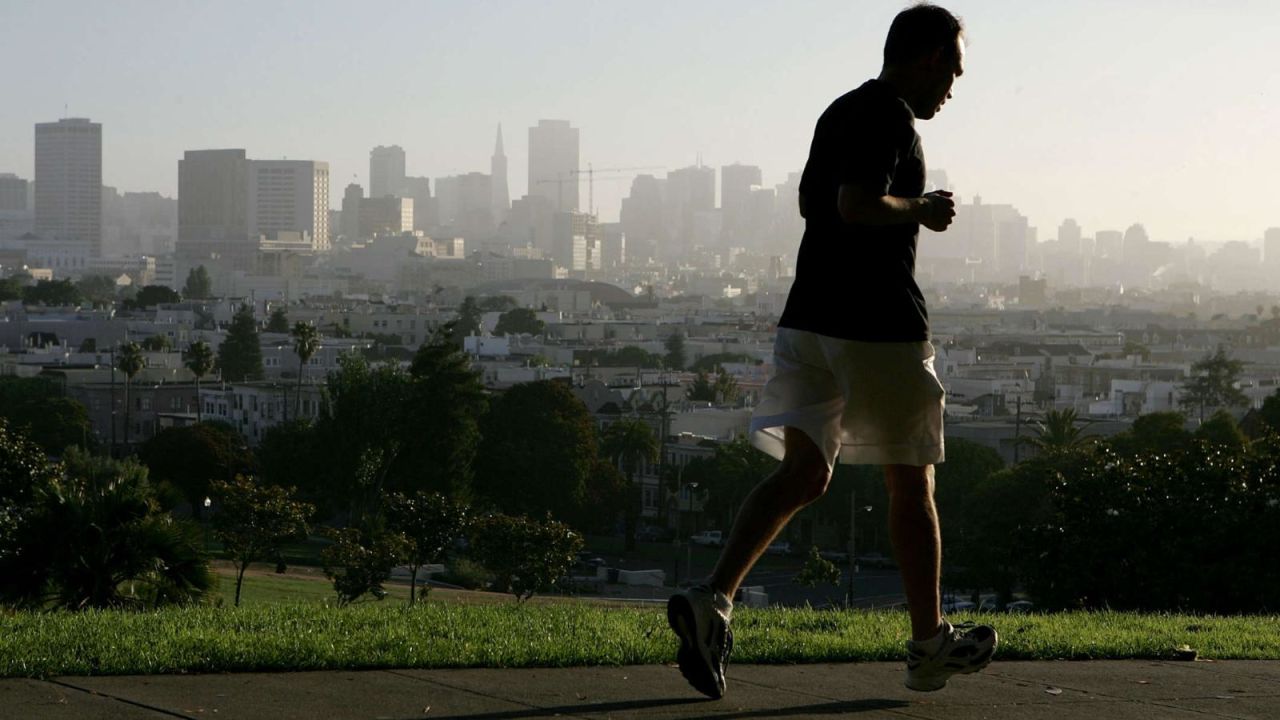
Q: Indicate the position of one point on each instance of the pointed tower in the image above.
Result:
(498, 181)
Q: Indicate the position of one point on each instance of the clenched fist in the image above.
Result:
(938, 210)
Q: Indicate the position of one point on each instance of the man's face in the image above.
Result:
(942, 71)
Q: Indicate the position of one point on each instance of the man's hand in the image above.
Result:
(937, 210)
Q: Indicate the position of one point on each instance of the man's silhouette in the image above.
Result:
(854, 375)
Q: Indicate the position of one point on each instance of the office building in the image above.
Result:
(13, 193)
(290, 196)
(68, 159)
(386, 170)
(553, 163)
(213, 199)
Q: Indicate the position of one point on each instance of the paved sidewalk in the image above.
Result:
(866, 691)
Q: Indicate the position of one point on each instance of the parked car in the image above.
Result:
(875, 560)
(836, 556)
(780, 547)
(713, 538)
(655, 533)
(1020, 606)
(956, 606)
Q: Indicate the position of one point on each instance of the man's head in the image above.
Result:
(923, 55)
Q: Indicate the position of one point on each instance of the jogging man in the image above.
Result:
(854, 375)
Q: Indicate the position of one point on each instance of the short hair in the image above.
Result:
(918, 31)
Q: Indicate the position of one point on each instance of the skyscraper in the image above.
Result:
(69, 182)
(553, 163)
(386, 171)
(498, 178)
(289, 196)
(13, 193)
(213, 195)
(736, 182)
(1271, 248)
(351, 198)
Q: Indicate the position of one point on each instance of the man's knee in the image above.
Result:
(805, 474)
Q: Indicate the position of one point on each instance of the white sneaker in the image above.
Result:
(700, 618)
(965, 649)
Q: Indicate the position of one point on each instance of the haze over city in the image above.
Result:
(1108, 113)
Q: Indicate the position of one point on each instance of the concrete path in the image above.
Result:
(865, 691)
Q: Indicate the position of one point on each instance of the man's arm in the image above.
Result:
(858, 206)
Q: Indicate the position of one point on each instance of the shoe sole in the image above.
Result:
(692, 665)
(940, 682)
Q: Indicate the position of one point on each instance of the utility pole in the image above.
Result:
(853, 558)
(1017, 429)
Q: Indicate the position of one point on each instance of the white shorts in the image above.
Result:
(863, 403)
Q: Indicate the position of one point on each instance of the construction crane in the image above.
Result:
(562, 178)
(591, 180)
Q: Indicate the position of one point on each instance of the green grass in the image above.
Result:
(275, 589)
(443, 634)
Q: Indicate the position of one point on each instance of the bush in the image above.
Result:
(467, 573)
(526, 556)
(358, 562)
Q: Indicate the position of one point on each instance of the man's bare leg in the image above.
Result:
(799, 480)
(917, 544)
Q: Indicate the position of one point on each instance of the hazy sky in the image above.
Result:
(1164, 112)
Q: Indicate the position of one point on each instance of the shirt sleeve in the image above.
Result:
(867, 153)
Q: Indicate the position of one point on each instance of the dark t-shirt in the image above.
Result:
(857, 282)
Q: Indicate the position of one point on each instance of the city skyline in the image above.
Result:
(1100, 129)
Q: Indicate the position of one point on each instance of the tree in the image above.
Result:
(724, 389)
(157, 343)
(151, 296)
(97, 289)
(359, 561)
(429, 523)
(1269, 413)
(710, 363)
(817, 570)
(10, 288)
(675, 358)
(130, 362)
(519, 321)
(306, 342)
(24, 470)
(1221, 430)
(36, 407)
(199, 360)
(447, 402)
(51, 292)
(736, 468)
(1213, 383)
(1158, 432)
(1058, 432)
(629, 443)
(97, 537)
(198, 285)
(539, 446)
(240, 355)
(278, 322)
(191, 458)
(253, 520)
(525, 556)
(468, 322)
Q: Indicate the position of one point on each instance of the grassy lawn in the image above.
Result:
(448, 632)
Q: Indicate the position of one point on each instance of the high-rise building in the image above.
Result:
(69, 182)
(386, 215)
(1271, 247)
(553, 163)
(498, 179)
(689, 191)
(290, 196)
(465, 203)
(213, 200)
(351, 198)
(386, 170)
(418, 189)
(1069, 236)
(13, 193)
(578, 244)
(736, 183)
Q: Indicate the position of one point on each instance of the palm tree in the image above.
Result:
(1057, 432)
(98, 537)
(130, 362)
(200, 362)
(629, 442)
(306, 342)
